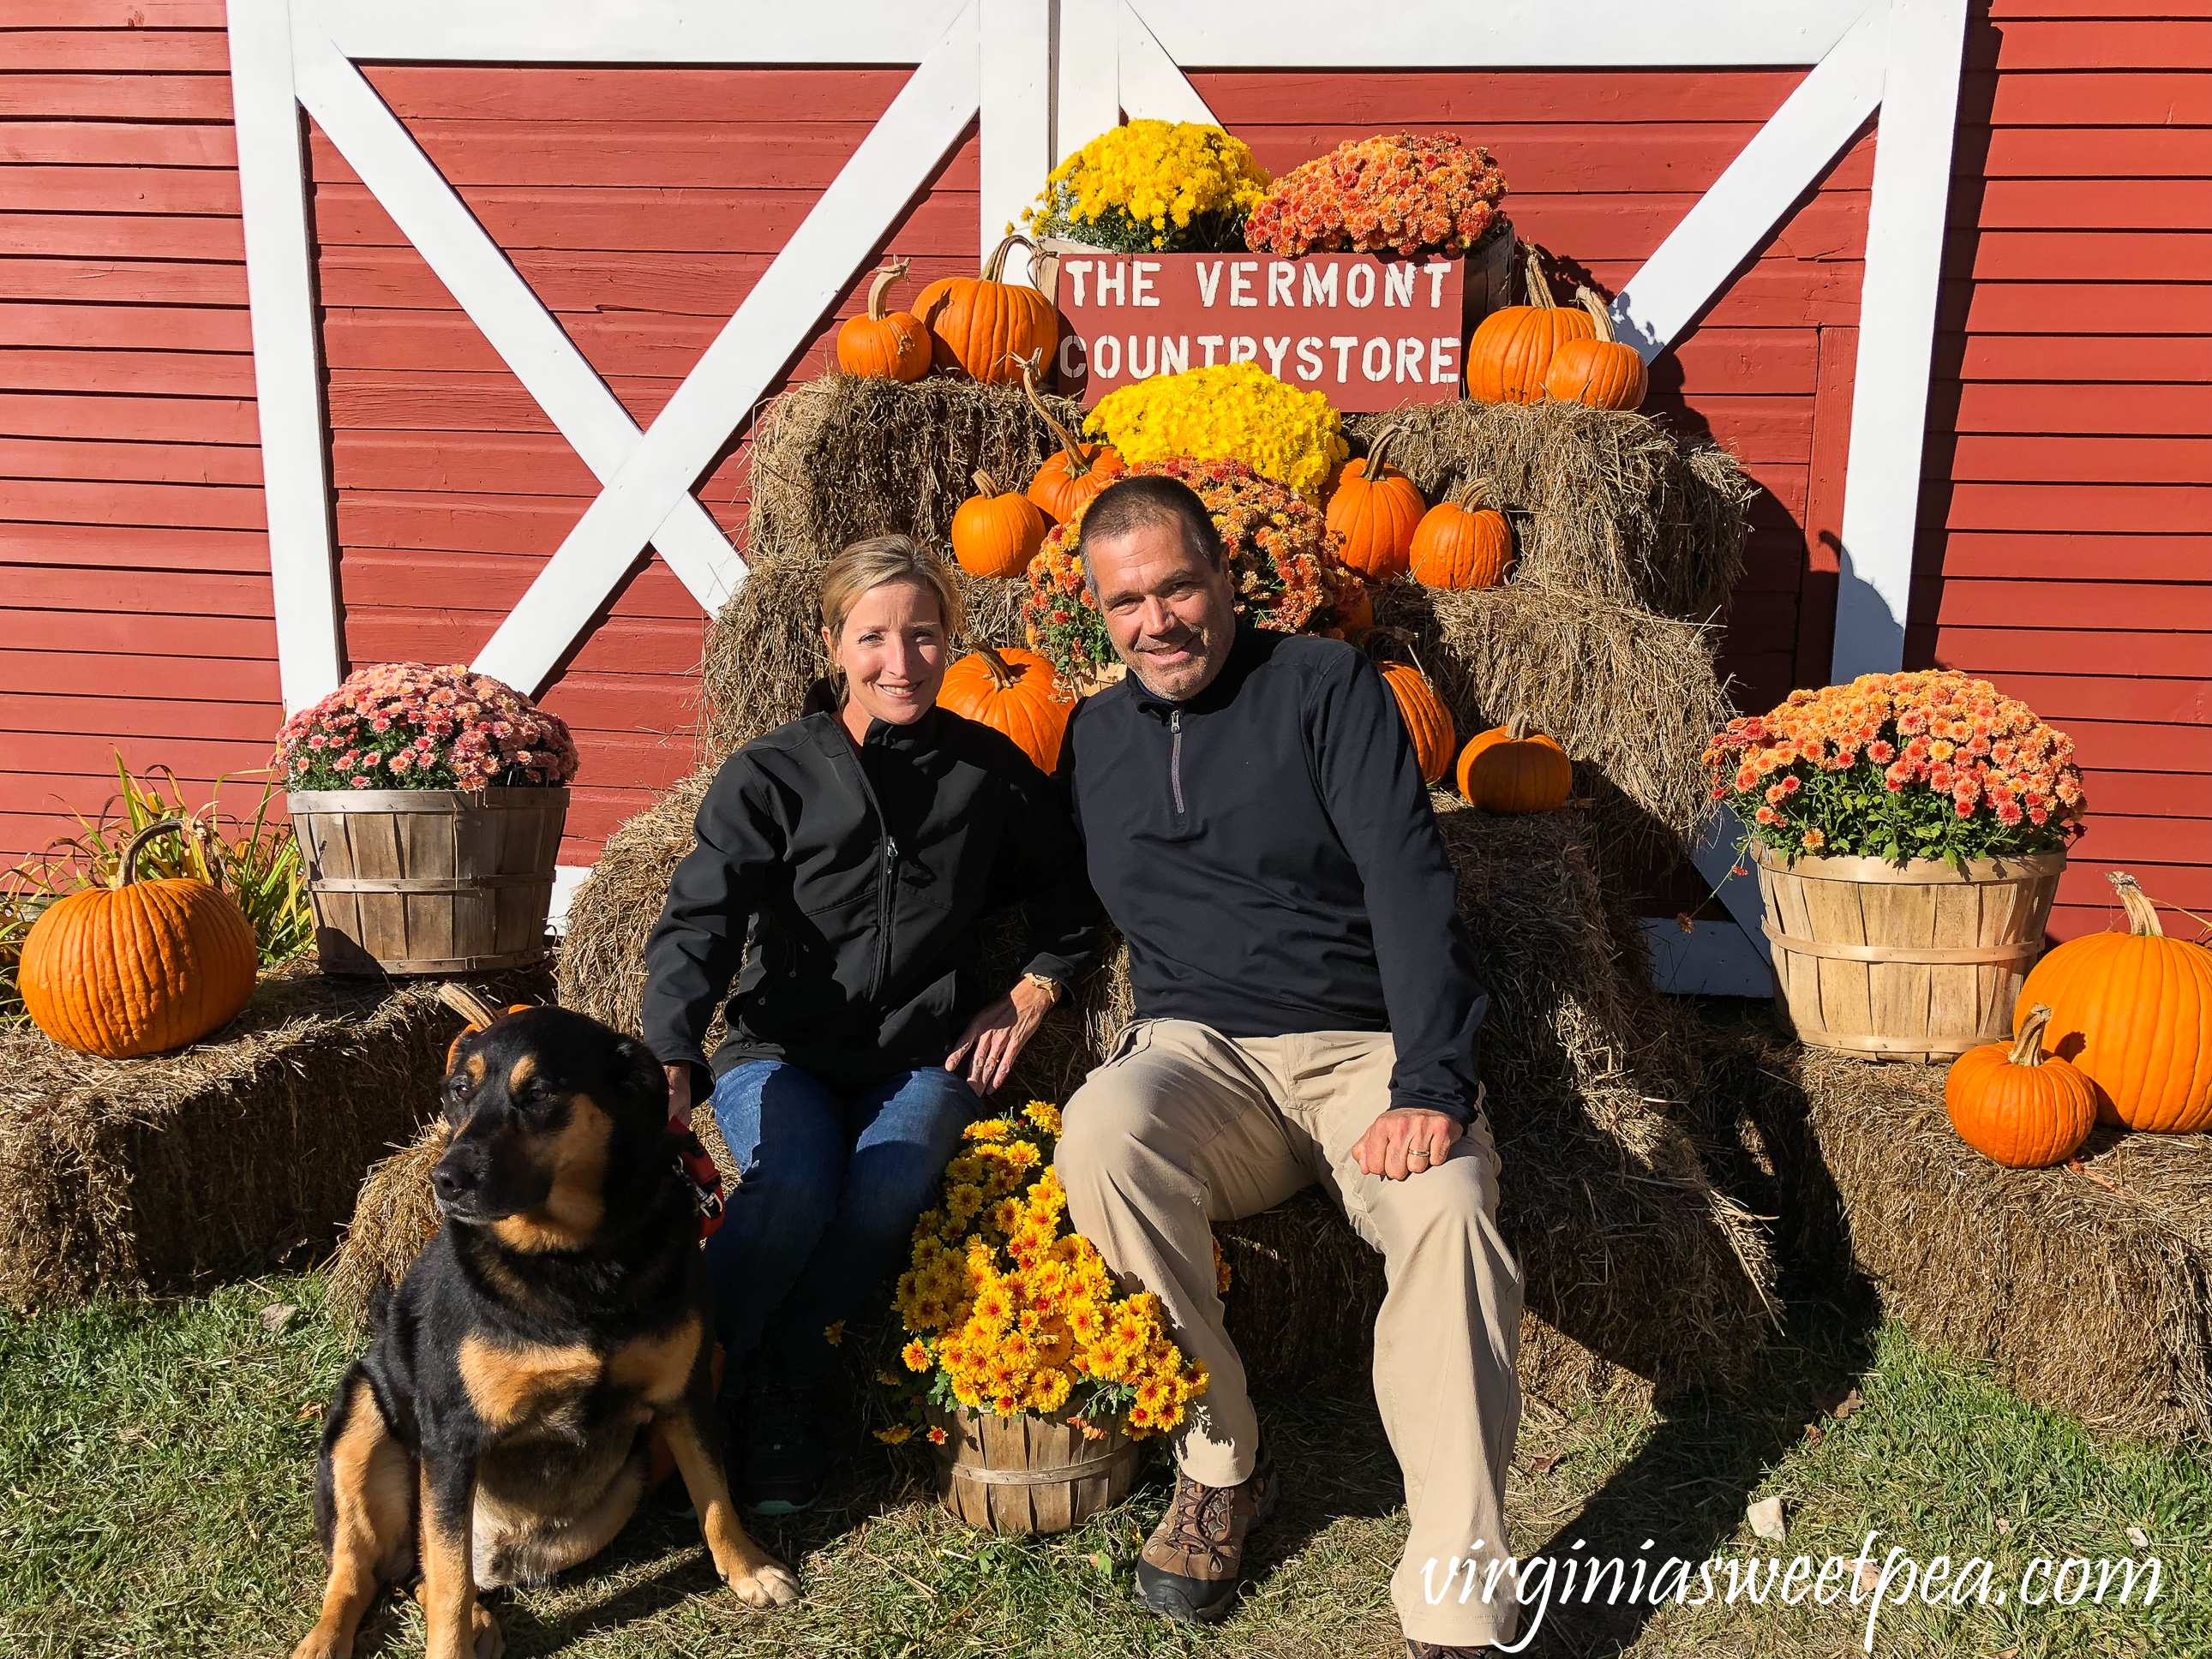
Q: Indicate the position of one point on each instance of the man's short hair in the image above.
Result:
(1129, 504)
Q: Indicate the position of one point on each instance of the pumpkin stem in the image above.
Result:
(1540, 291)
(127, 871)
(1079, 464)
(1004, 675)
(1372, 469)
(1600, 313)
(468, 1005)
(1516, 729)
(2143, 914)
(985, 483)
(1472, 494)
(997, 262)
(2027, 1047)
(884, 278)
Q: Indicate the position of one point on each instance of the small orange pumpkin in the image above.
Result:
(997, 532)
(139, 968)
(2133, 1012)
(1375, 509)
(1510, 768)
(1354, 607)
(2018, 1106)
(884, 345)
(1013, 691)
(986, 329)
(1461, 542)
(1511, 350)
(1065, 485)
(1428, 722)
(1600, 372)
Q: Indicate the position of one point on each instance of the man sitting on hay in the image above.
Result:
(1307, 1005)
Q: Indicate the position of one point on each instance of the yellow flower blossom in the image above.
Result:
(1226, 412)
(1180, 186)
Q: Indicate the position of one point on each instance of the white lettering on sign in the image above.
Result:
(1367, 332)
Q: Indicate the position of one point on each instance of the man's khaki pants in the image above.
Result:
(1182, 1126)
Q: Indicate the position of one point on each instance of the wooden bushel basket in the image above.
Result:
(1026, 1475)
(429, 881)
(1916, 962)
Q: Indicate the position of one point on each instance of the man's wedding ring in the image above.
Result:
(1421, 1152)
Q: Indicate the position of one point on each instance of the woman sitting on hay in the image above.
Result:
(843, 860)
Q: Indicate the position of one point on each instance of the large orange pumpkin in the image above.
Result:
(1510, 768)
(138, 968)
(986, 329)
(2016, 1105)
(1428, 722)
(1512, 350)
(995, 532)
(1013, 691)
(884, 345)
(1461, 543)
(1600, 371)
(1065, 485)
(2133, 1012)
(1375, 508)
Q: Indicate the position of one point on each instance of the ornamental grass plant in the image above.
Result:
(410, 725)
(1935, 764)
(1171, 187)
(1007, 1309)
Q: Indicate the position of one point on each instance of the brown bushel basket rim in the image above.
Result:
(498, 797)
(983, 1474)
(1914, 872)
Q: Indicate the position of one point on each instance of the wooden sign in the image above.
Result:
(1370, 334)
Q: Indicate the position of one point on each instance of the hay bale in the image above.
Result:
(1607, 501)
(2088, 1290)
(1640, 1273)
(124, 1176)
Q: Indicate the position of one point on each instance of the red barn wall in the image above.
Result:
(2064, 524)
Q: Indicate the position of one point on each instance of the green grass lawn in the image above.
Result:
(156, 1463)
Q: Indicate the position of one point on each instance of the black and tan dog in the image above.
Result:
(496, 1430)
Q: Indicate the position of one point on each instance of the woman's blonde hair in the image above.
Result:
(881, 559)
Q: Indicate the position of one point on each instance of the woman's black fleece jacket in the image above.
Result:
(863, 873)
(1268, 848)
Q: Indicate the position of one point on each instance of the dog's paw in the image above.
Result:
(490, 1640)
(319, 1643)
(770, 1584)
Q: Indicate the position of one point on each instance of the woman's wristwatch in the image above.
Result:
(1045, 983)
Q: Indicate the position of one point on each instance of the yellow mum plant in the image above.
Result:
(1173, 186)
(1007, 1310)
(1229, 412)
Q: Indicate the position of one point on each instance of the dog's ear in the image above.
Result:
(642, 1081)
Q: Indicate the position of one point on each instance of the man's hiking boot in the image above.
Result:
(779, 1457)
(1430, 1651)
(1190, 1566)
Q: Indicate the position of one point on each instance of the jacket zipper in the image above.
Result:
(886, 889)
(1174, 759)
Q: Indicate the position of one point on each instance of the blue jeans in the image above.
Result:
(830, 1182)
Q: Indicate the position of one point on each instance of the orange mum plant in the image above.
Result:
(1007, 1310)
(1929, 765)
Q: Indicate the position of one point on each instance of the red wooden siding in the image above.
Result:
(2065, 548)
(2065, 527)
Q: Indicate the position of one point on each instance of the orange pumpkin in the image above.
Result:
(1461, 542)
(2018, 1106)
(986, 329)
(1375, 509)
(1013, 691)
(1355, 609)
(884, 345)
(1600, 371)
(2133, 1012)
(1428, 722)
(138, 968)
(1510, 768)
(1512, 350)
(997, 532)
(1064, 485)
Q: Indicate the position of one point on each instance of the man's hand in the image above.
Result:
(679, 1093)
(1405, 1142)
(998, 1034)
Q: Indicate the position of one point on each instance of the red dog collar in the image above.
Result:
(696, 1167)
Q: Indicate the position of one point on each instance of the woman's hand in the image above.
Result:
(998, 1034)
(679, 1093)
